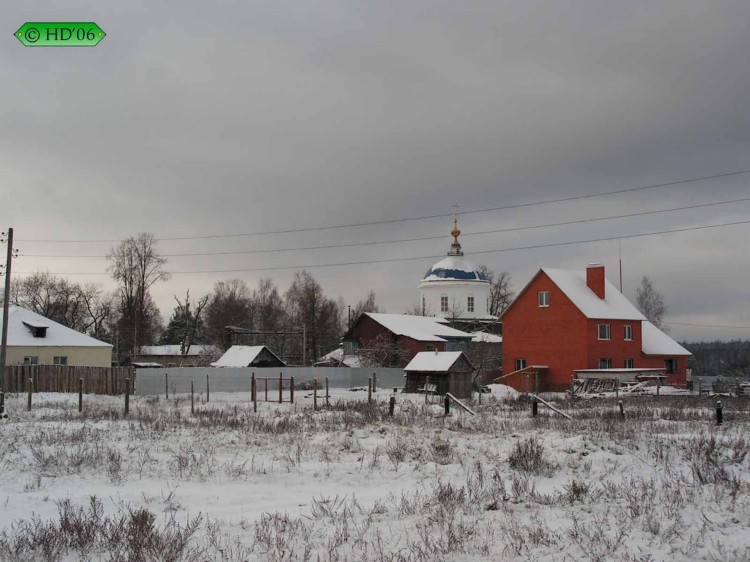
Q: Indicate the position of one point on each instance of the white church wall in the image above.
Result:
(457, 293)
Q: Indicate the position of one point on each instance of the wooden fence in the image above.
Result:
(64, 378)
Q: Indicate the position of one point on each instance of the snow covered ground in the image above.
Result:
(348, 482)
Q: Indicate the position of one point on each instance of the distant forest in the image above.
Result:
(720, 358)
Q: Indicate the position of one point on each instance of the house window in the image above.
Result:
(628, 333)
(670, 366)
(60, 360)
(543, 298)
(429, 348)
(629, 364)
(470, 303)
(520, 364)
(444, 303)
(31, 360)
(604, 333)
(605, 363)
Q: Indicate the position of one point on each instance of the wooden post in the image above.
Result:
(80, 395)
(426, 383)
(253, 392)
(315, 394)
(127, 396)
(536, 382)
(658, 386)
(617, 389)
(281, 386)
(192, 398)
(2, 405)
(447, 404)
(166, 385)
(719, 413)
(369, 391)
(327, 396)
(208, 389)
(391, 405)
(534, 408)
(31, 390)
(622, 409)
(265, 380)
(291, 390)
(374, 381)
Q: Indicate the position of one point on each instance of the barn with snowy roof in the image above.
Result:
(568, 321)
(440, 372)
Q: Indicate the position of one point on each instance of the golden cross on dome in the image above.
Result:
(455, 232)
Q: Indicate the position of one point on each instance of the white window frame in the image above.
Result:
(543, 299)
(630, 363)
(31, 360)
(628, 332)
(470, 303)
(605, 363)
(443, 303)
(61, 360)
(608, 330)
(520, 364)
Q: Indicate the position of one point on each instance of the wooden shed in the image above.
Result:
(449, 371)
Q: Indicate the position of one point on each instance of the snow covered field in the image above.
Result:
(350, 483)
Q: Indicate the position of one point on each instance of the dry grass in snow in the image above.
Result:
(350, 483)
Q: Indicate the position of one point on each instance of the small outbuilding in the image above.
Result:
(448, 371)
(249, 356)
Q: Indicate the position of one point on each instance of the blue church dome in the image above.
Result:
(454, 268)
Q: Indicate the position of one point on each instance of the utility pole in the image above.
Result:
(6, 303)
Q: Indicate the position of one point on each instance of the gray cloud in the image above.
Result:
(190, 119)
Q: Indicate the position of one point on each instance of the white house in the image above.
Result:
(36, 340)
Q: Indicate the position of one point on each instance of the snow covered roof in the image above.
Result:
(435, 361)
(22, 323)
(420, 328)
(614, 305)
(174, 349)
(656, 342)
(337, 356)
(484, 337)
(240, 356)
(454, 268)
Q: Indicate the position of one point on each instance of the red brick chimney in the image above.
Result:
(595, 279)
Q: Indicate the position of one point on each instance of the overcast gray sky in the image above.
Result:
(196, 118)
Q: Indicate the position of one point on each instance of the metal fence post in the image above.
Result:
(192, 397)
(80, 395)
(291, 390)
(391, 406)
(281, 386)
(719, 413)
(127, 396)
(315, 394)
(31, 390)
(208, 389)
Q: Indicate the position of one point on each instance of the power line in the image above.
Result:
(422, 217)
(414, 258)
(379, 242)
(707, 325)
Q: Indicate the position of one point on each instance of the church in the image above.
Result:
(457, 290)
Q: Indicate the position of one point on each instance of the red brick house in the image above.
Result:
(565, 321)
(408, 334)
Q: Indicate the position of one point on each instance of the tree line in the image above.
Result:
(128, 317)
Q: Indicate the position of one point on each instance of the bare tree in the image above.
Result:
(501, 290)
(85, 308)
(309, 307)
(230, 304)
(382, 351)
(186, 324)
(651, 303)
(136, 265)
